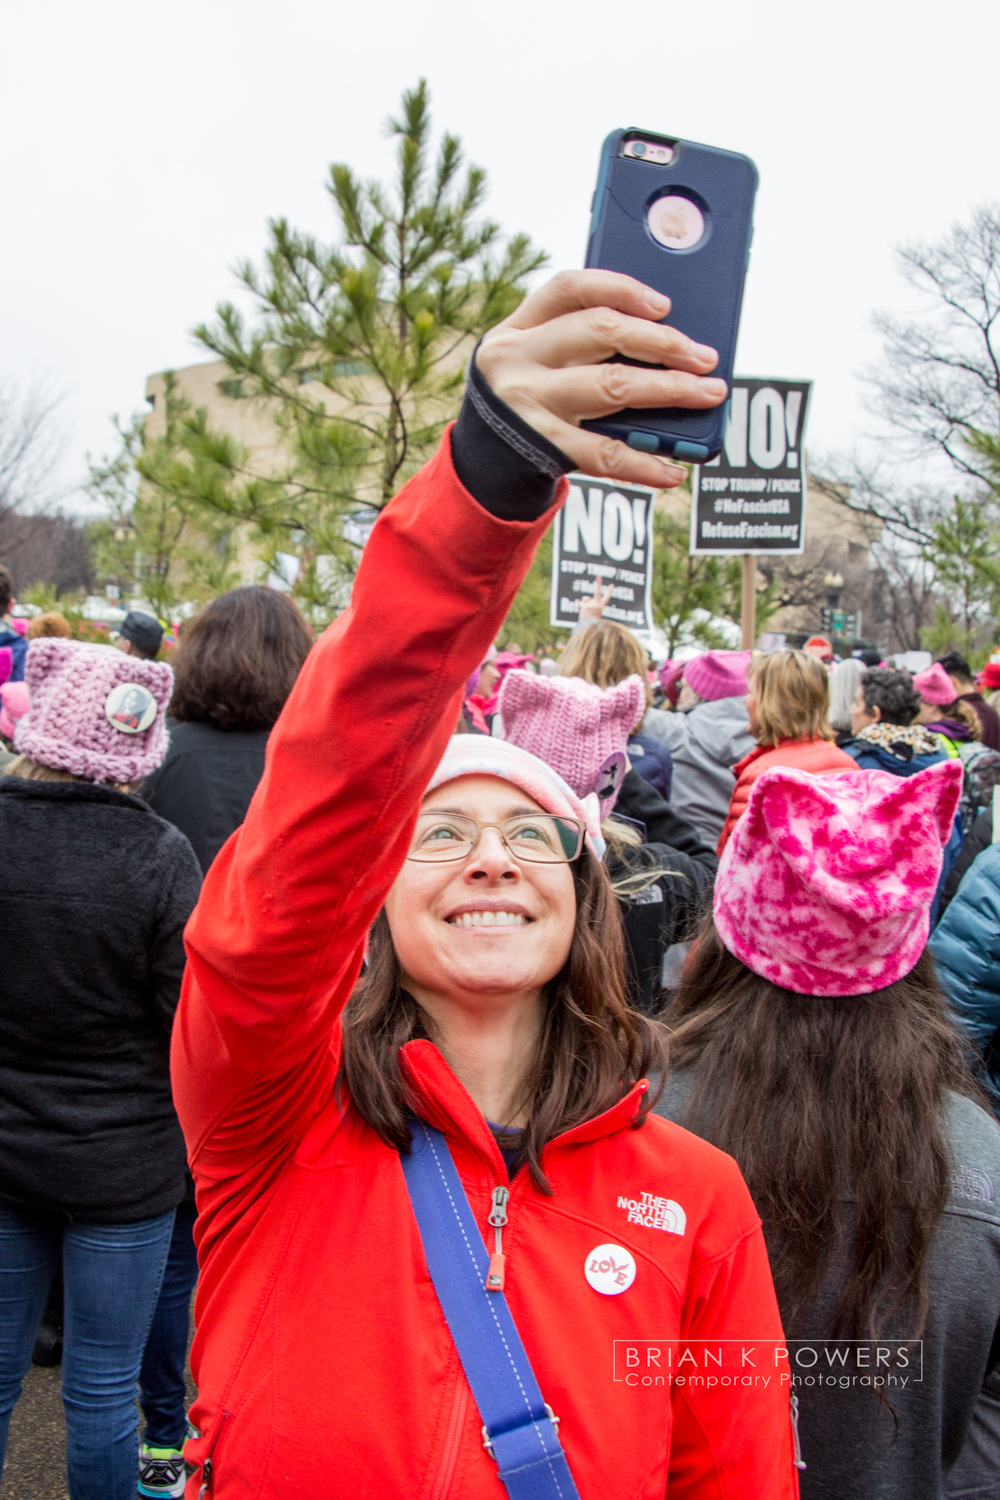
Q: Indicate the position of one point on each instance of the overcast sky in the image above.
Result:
(143, 146)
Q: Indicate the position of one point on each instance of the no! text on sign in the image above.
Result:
(752, 497)
(604, 529)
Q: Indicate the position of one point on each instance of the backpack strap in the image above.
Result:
(519, 1429)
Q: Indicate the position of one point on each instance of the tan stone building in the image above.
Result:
(249, 420)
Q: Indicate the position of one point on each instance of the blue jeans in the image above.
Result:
(111, 1278)
(162, 1393)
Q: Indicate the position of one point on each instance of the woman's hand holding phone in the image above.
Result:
(547, 361)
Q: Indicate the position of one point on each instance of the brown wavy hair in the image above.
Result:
(238, 660)
(793, 697)
(823, 1099)
(593, 1046)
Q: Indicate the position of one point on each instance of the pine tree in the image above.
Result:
(358, 350)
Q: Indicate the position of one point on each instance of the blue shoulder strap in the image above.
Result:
(518, 1428)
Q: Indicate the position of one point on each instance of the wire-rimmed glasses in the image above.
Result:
(539, 838)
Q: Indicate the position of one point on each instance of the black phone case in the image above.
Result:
(704, 284)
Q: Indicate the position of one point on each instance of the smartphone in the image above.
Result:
(679, 217)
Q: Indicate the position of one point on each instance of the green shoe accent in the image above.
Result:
(161, 1473)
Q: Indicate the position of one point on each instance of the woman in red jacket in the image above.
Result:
(788, 704)
(492, 1010)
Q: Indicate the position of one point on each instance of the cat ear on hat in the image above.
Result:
(939, 790)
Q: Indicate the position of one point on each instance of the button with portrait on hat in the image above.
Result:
(130, 708)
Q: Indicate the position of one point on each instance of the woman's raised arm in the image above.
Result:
(275, 942)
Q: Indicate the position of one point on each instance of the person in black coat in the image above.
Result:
(95, 894)
(234, 669)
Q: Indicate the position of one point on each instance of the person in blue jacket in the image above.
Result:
(884, 737)
(966, 948)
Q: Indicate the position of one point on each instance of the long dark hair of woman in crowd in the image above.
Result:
(817, 1099)
(811, 1040)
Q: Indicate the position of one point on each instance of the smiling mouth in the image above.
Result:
(468, 919)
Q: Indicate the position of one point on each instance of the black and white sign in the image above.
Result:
(752, 497)
(604, 529)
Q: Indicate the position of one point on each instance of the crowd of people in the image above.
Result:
(561, 1075)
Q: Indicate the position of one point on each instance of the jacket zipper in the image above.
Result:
(795, 1433)
(453, 1439)
(497, 1220)
(207, 1466)
(499, 1198)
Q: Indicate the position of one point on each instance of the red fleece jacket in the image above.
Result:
(323, 1362)
(817, 756)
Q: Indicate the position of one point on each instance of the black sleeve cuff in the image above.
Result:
(506, 465)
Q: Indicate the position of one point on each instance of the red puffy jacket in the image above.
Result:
(323, 1362)
(817, 756)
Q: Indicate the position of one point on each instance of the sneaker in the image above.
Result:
(161, 1472)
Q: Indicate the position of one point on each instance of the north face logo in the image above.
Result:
(655, 1213)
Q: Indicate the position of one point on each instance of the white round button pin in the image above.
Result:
(130, 708)
(610, 1269)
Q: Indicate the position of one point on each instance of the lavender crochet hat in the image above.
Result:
(94, 711)
(578, 729)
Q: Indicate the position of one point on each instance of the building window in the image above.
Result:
(231, 388)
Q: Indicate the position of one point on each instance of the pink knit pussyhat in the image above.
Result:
(479, 755)
(826, 885)
(94, 711)
(935, 686)
(578, 729)
(14, 703)
(718, 674)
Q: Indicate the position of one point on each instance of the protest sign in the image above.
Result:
(604, 529)
(752, 497)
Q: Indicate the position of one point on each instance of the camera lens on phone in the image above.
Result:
(638, 148)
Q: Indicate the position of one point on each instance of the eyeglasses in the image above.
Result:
(540, 839)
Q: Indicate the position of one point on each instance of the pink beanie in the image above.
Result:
(479, 755)
(718, 674)
(578, 729)
(826, 885)
(13, 703)
(935, 686)
(94, 711)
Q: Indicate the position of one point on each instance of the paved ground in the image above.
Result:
(36, 1450)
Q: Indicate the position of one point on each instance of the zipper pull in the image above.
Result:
(497, 1219)
(206, 1478)
(795, 1433)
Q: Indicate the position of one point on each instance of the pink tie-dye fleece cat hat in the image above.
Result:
(826, 885)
